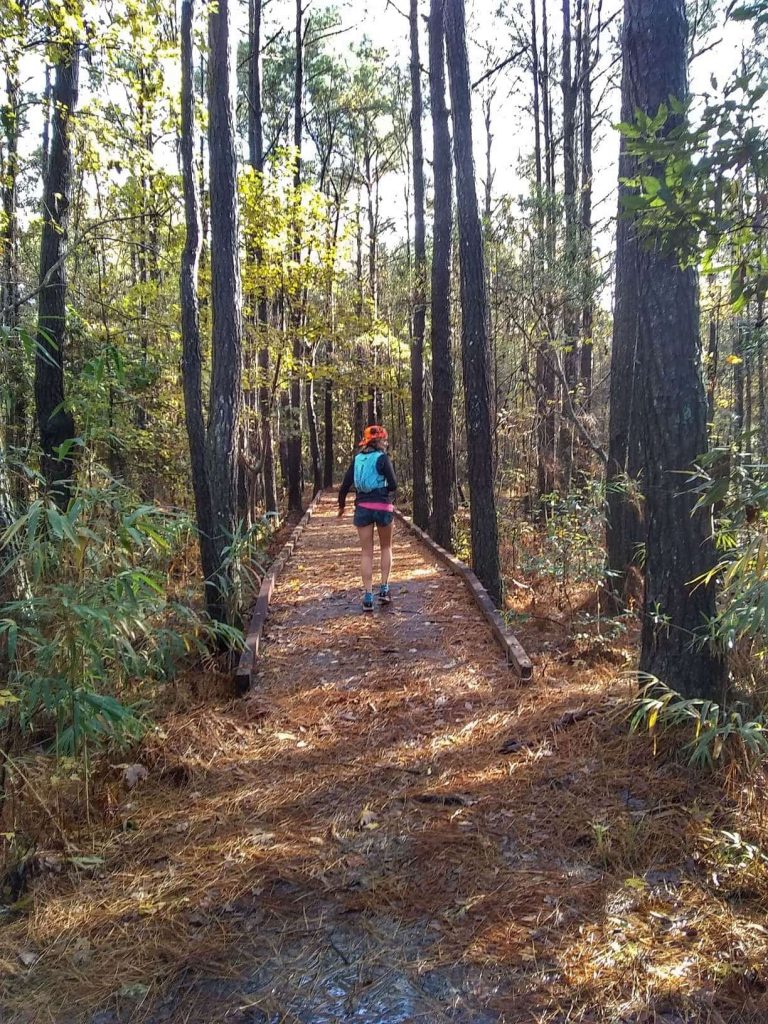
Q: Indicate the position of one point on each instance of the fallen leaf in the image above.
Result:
(367, 819)
(134, 991)
(133, 774)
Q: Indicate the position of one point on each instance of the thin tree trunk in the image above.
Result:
(45, 141)
(536, 101)
(14, 582)
(419, 448)
(9, 286)
(570, 96)
(762, 434)
(442, 357)
(328, 448)
(191, 359)
(546, 379)
(587, 315)
(569, 87)
(226, 297)
(294, 434)
(55, 421)
(712, 352)
(328, 438)
(738, 382)
(256, 157)
(474, 332)
(361, 411)
(624, 522)
(314, 439)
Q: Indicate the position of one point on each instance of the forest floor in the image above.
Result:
(392, 829)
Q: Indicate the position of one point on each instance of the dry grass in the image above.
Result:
(355, 820)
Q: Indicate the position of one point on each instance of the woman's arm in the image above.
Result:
(384, 466)
(346, 484)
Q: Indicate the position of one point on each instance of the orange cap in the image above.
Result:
(373, 433)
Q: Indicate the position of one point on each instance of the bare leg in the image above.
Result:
(385, 541)
(366, 556)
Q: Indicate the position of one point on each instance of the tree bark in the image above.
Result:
(672, 402)
(9, 285)
(314, 436)
(442, 357)
(419, 448)
(569, 85)
(55, 422)
(474, 307)
(624, 523)
(226, 296)
(14, 582)
(294, 427)
(712, 352)
(191, 360)
(587, 314)
(328, 447)
(546, 380)
(762, 433)
(570, 97)
(536, 101)
(256, 157)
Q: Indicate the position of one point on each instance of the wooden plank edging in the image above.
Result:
(247, 663)
(513, 649)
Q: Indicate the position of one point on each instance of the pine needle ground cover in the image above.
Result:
(390, 828)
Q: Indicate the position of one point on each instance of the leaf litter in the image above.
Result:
(513, 857)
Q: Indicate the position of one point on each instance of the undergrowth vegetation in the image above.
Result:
(109, 618)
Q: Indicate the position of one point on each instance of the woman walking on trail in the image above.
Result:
(373, 478)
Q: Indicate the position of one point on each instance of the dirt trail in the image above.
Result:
(349, 843)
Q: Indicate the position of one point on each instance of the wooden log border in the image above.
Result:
(247, 663)
(513, 649)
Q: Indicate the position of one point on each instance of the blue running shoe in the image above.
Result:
(367, 601)
(384, 595)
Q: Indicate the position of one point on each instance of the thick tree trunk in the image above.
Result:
(474, 307)
(55, 421)
(256, 157)
(442, 357)
(419, 448)
(191, 360)
(226, 298)
(672, 411)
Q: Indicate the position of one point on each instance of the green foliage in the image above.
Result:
(755, 11)
(697, 191)
(571, 544)
(102, 629)
(716, 732)
(740, 499)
